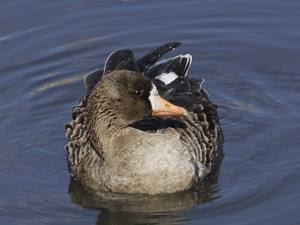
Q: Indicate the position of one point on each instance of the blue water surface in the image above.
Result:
(248, 52)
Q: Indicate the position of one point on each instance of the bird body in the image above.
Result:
(143, 126)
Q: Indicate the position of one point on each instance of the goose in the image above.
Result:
(143, 126)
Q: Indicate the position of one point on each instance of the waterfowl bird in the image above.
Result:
(143, 126)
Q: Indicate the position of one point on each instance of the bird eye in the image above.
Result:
(138, 93)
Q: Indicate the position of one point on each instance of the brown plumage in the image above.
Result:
(125, 138)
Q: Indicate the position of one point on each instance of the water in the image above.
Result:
(247, 51)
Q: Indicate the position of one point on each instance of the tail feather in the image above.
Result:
(116, 57)
(153, 56)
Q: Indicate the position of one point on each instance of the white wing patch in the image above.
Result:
(167, 78)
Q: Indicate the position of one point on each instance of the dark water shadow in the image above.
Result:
(144, 209)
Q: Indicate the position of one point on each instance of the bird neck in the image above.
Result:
(104, 124)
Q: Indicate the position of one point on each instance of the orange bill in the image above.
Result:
(163, 108)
